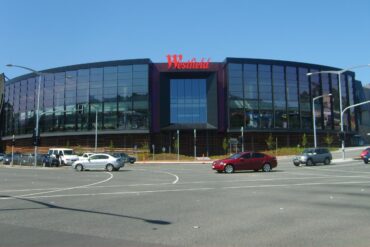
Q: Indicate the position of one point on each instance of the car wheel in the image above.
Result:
(366, 161)
(109, 168)
(296, 164)
(79, 168)
(229, 169)
(132, 162)
(309, 162)
(326, 161)
(266, 167)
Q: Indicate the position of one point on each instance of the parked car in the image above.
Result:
(366, 158)
(2, 157)
(27, 159)
(365, 153)
(99, 161)
(49, 161)
(85, 156)
(126, 158)
(245, 161)
(16, 159)
(66, 156)
(312, 156)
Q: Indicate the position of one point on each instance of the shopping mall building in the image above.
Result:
(141, 103)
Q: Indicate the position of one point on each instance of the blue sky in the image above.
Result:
(43, 34)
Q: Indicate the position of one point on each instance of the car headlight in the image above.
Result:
(303, 158)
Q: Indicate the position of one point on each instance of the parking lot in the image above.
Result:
(186, 205)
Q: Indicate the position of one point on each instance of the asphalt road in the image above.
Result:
(186, 205)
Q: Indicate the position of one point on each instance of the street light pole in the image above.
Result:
(341, 119)
(195, 144)
(242, 133)
(96, 129)
(13, 142)
(178, 145)
(339, 73)
(314, 116)
(39, 74)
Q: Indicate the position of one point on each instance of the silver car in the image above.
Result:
(97, 162)
(312, 156)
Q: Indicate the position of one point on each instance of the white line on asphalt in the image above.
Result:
(70, 188)
(316, 176)
(111, 193)
(191, 189)
(336, 170)
(173, 182)
(302, 184)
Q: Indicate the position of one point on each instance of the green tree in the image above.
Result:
(111, 146)
(78, 149)
(225, 145)
(270, 142)
(175, 144)
(328, 140)
(146, 146)
(304, 140)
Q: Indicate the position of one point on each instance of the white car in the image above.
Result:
(85, 156)
(66, 156)
(99, 161)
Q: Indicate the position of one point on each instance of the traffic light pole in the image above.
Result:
(13, 142)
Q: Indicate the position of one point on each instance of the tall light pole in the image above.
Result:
(96, 129)
(178, 144)
(314, 116)
(339, 73)
(242, 134)
(195, 144)
(341, 117)
(39, 74)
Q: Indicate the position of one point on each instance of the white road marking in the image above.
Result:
(173, 182)
(301, 184)
(336, 170)
(318, 176)
(190, 189)
(70, 188)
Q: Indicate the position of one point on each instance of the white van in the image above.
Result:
(66, 156)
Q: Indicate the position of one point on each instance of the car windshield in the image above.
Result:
(308, 151)
(235, 156)
(68, 152)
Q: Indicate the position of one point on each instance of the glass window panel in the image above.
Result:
(110, 70)
(140, 67)
(125, 69)
(233, 66)
(188, 101)
(252, 119)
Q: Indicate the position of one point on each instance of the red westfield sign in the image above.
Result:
(175, 61)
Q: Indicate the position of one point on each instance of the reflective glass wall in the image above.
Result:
(188, 101)
(70, 100)
(268, 96)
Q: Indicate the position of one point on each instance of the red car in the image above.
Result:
(245, 161)
(364, 153)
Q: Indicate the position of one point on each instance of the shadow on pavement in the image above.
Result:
(53, 206)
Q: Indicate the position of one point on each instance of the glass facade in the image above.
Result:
(69, 100)
(188, 101)
(261, 95)
(278, 96)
